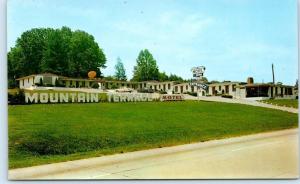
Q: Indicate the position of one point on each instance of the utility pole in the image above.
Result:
(273, 73)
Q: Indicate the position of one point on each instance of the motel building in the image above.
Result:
(251, 90)
(239, 90)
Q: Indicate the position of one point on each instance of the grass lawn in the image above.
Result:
(283, 102)
(47, 133)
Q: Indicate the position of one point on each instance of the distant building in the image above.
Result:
(235, 89)
(252, 90)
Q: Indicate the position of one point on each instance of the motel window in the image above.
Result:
(176, 88)
(47, 80)
(219, 88)
(289, 91)
(186, 87)
(169, 86)
(144, 84)
(233, 87)
(192, 88)
(285, 91)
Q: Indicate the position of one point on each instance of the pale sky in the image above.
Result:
(233, 39)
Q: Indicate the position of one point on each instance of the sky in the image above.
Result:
(233, 39)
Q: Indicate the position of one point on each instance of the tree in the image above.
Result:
(55, 58)
(120, 73)
(25, 58)
(214, 81)
(174, 77)
(85, 55)
(60, 51)
(41, 82)
(146, 68)
(204, 79)
(109, 78)
(163, 77)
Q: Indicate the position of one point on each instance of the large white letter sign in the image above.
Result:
(63, 97)
(31, 98)
(44, 97)
(53, 100)
(81, 97)
(94, 97)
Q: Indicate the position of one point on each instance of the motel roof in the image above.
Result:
(264, 85)
(224, 83)
(33, 75)
(80, 79)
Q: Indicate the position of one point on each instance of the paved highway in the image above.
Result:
(266, 155)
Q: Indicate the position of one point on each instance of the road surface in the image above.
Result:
(266, 155)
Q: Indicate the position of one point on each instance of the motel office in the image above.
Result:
(250, 89)
(247, 89)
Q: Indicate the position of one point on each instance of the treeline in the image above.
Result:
(60, 51)
(73, 54)
(146, 69)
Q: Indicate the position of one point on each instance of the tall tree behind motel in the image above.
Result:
(60, 51)
(120, 73)
(146, 68)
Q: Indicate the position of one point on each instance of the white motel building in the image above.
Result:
(238, 90)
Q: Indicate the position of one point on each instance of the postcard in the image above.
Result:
(136, 89)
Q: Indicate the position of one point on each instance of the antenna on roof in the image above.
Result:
(273, 73)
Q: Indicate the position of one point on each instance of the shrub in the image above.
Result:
(145, 91)
(162, 92)
(192, 93)
(114, 86)
(59, 83)
(41, 82)
(103, 97)
(18, 98)
(95, 85)
(12, 83)
(226, 96)
(49, 85)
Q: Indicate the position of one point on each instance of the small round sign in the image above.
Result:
(92, 74)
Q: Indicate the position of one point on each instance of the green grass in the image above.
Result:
(47, 133)
(283, 102)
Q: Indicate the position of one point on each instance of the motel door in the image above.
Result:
(226, 89)
(271, 91)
